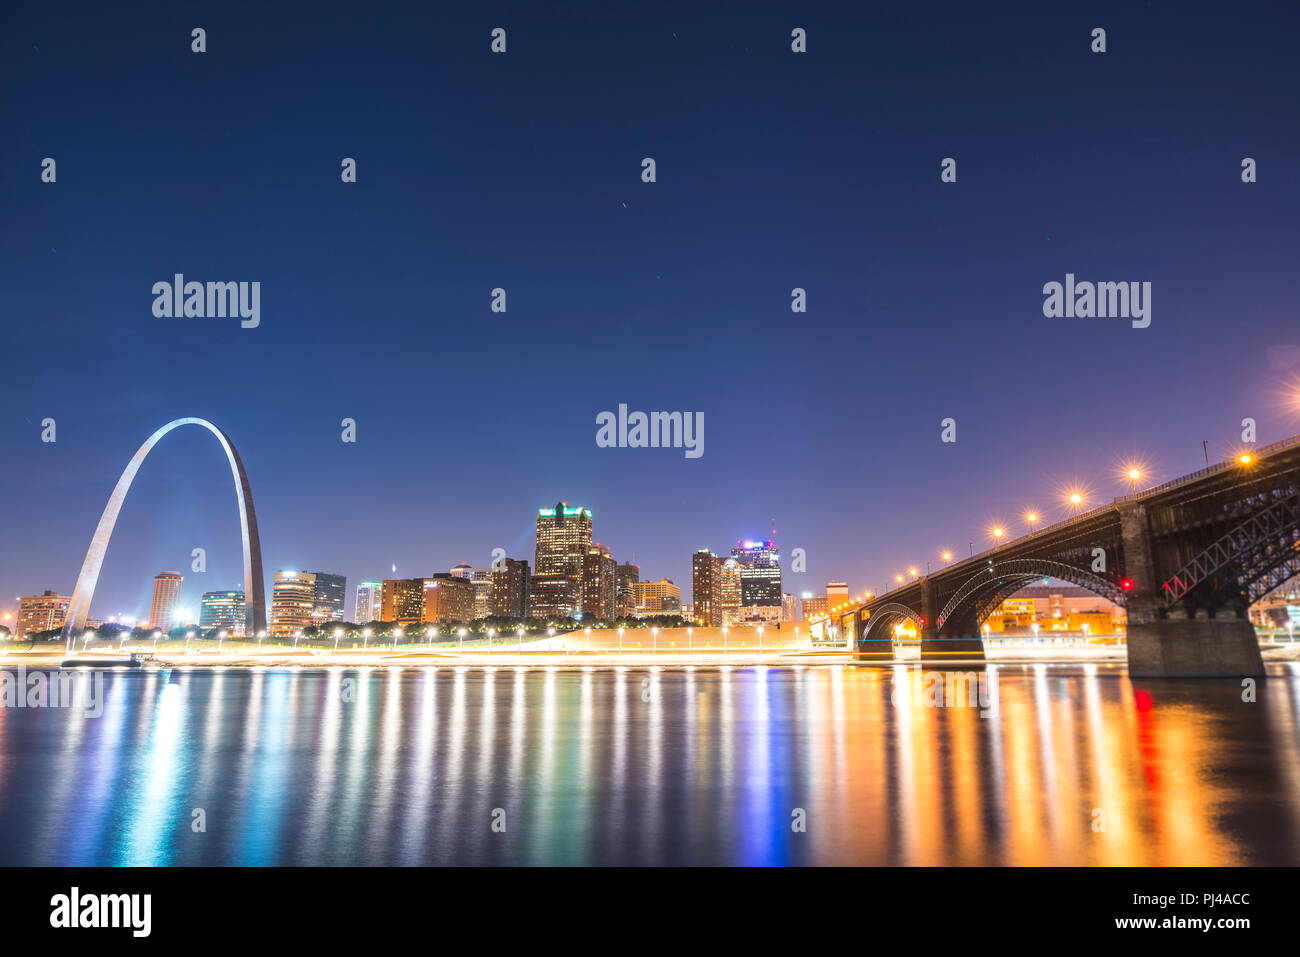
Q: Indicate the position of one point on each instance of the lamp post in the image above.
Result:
(1031, 518)
(156, 636)
(460, 648)
(429, 633)
(260, 636)
(397, 633)
(519, 649)
(365, 639)
(760, 638)
(724, 637)
(550, 639)
(221, 639)
(620, 638)
(654, 639)
(690, 635)
(297, 636)
(491, 634)
(338, 633)
(188, 636)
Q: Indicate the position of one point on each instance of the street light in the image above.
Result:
(221, 639)
(461, 647)
(338, 633)
(654, 638)
(1032, 519)
(913, 572)
(947, 557)
(429, 633)
(620, 638)
(188, 636)
(521, 641)
(1133, 476)
(365, 639)
(1245, 458)
(397, 633)
(1075, 501)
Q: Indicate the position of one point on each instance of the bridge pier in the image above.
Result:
(934, 647)
(1218, 647)
(1171, 645)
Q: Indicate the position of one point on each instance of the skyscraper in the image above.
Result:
(222, 609)
(293, 601)
(166, 593)
(625, 590)
(705, 597)
(729, 590)
(369, 597)
(598, 583)
(563, 537)
(510, 585)
(330, 594)
(760, 573)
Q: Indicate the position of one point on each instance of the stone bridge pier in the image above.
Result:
(1166, 642)
(962, 647)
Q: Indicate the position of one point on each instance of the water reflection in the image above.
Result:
(752, 766)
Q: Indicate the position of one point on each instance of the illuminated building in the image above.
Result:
(293, 601)
(166, 593)
(705, 589)
(482, 579)
(331, 592)
(222, 609)
(790, 608)
(369, 602)
(660, 597)
(448, 598)
(563, 538)
(625, 591)
(837, 593)
(402, 601)
(510, 589)
(554, 596)
(42, 612)
(814, 606)
(760, 577)
(728, 590)
(598, 583)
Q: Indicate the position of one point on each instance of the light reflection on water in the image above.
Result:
(653, 765)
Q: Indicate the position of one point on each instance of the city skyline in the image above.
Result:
(936, 286)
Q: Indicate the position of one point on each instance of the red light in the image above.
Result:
(1126, 584)
(922, 620)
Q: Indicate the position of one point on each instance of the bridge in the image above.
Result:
(1185, 559)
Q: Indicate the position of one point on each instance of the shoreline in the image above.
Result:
(387, 658)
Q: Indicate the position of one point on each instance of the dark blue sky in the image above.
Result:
(775, 170)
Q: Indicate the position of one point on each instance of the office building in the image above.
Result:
(448, 599)
(705, 584)
(510, 585)
(43, 612)
(369, 602)
(551, 597)
(402, 601)
(625, 590)
(166, 596)
(599, 583)
(293, 602)
(222, 609)
(660, 597)
(330, 595)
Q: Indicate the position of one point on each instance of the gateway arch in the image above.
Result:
(254, 583)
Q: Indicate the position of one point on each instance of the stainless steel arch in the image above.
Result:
(254, 584)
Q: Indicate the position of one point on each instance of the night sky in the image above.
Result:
(775, 170)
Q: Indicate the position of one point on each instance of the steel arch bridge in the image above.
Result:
(1185, 559)
(254, 583)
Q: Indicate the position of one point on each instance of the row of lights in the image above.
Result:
(1074, 499)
